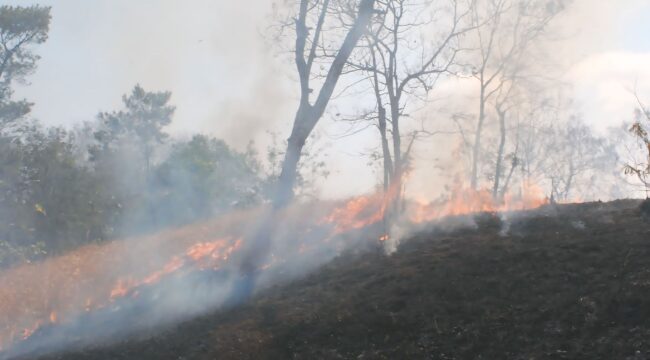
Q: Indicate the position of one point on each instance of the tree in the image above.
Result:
(502, 106)
(312, 60)
(123, 151)
(310, 171)
(403, 68)
(202, 177)
(517, 92)
(145, 116)
(20, 28)
(505, 32)
(48, 201)
(312, 15)
(641, 168)
(579, 155)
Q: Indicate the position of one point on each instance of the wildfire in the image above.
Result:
(77, 280)
(201, 256)
(463, 201)
(357, 213)
(28, 332)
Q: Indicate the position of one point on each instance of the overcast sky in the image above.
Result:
(225, 81)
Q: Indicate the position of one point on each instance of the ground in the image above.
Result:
(565, 282)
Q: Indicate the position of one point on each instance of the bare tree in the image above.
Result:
(641, 169)
(308, 39)
(311, 57)
(519, 90)
(505, 32)
(557, 152)
(502, 106)
(579, 154)
(406, 54)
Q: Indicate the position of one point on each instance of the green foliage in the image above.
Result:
(52, 199)
(202, 177)
(24, 24)
(197, 178)
(45, 196)
(20, 28)
(145, 115)
(11, 254)
(143, 119)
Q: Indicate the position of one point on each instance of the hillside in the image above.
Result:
(566, 282)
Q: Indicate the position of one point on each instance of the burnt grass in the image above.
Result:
(565, 282)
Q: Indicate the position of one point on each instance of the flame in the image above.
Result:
(463, 201)
(29, 331)
(96, 276)
(202, 255)
(356, 213)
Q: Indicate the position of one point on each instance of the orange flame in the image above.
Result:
(356, 213)
(203, 255)
(23, 308)
(463, 201)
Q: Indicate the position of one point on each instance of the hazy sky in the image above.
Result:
(225, 81)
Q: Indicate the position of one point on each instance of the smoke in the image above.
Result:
(229, 79)
(101, 293)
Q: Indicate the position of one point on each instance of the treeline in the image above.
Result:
(122, 174)
(475, 83)
(118, 174)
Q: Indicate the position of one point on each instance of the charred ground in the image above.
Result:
(566, 282)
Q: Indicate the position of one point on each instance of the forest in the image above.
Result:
(467, 99)
(121, 173)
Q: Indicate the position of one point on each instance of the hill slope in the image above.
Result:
(571, 282)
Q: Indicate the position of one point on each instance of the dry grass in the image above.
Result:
(567, 284)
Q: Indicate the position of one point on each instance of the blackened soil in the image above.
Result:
(571, 282)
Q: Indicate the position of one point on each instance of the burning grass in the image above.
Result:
(547, 290)
(92, 276)
(98, 277)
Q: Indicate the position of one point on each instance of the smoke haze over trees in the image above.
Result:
(122, 173)
(175, 158)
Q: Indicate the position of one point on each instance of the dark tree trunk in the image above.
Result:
(381, 119)
(259, 243)
(569, 181)
(502, 145)
(308, 115)
(385, 149)
(506, 184)
(398, 164)
(476, 151)
(284, 189)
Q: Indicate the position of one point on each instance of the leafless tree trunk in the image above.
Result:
(400, 74)
(258, 244)
(381, 119)
(309, 114)
(500, 153)
(476, 148)
(504, 32)
(506, 184)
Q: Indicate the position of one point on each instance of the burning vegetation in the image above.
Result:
(98, 277)
(118, 226)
